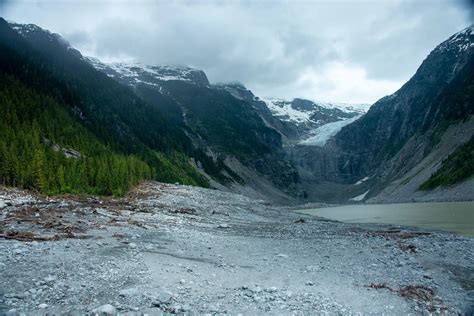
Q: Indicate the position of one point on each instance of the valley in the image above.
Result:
(148, 189)
(177, 127)
(181, 249)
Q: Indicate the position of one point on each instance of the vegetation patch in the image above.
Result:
(457, 167)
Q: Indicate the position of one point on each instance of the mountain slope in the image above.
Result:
(223, 126)
(401, 130)
(39, 64)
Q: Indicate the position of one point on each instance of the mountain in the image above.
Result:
(299, 119)
(183, 129)
(134, 73)
(73, 106)
(406, 137)
(75, 124)
(300, 111)
(308, 117)
(223, 126)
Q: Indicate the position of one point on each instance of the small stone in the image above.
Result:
(11, 312)
(176, 308)
(186, 308)
(18, 251)
(223, 226)
(106, 309)
(281, 255)
(309, 283)
(129, 292)
(42, 306)
(21, 295)
(271, 289)
(213, 308)
(163, 298)
(49, 278)
(256, 289)
(132, 245)
(248, 293)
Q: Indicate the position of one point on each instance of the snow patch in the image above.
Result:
(460, 41)
(346, 107)
(283, 110)
(163, 73)
(362, 181)
(359, 197)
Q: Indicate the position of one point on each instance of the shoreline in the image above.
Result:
(425, 215)
(180, 249)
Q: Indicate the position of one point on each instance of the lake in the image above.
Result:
(450, 216)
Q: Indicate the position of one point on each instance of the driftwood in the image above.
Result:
(24, 236)
(29, 236)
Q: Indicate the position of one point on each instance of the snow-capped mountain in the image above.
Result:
(133, 73)
(459, 42)
(298, 120)
(316, 122)
(301, 111)
(37, 35)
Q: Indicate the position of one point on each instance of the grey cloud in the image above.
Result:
(279, 48)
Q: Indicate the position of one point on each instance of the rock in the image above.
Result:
(175, 308)
(21, 295)
(132, 245)
(163, 298)
(4, 204)
(186, 308)
(248, 293)
(309, 283)
(223, 226)
(106, 309)
(213, 308)
(281, 255)
(42, 306)
(129, 292)
(271, 289)
(50, 278)
(11, 312)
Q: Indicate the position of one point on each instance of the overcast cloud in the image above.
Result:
(345, 51)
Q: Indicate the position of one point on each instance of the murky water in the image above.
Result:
(451, 216)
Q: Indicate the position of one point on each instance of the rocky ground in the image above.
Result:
(178, 249)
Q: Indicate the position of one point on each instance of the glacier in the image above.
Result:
(323, 133)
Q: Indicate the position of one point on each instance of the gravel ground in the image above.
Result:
(185, 250)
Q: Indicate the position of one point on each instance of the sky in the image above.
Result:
(336, 51)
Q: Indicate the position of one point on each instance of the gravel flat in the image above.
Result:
(185, 250)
